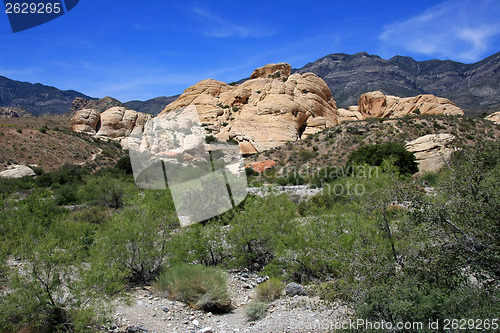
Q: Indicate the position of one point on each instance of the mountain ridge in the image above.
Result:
(473, 87)
(36, 98)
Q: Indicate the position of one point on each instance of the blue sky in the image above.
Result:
(141, 50)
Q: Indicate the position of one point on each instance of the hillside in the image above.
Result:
(332, 146)
(48, 143)
(473, 87)
(37, 99)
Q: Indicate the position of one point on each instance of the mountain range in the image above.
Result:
(473, 87)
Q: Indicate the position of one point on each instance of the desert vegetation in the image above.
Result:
(72, 242)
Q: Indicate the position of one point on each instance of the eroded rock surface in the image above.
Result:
(375, 104)
(264, 112)
(432, 151)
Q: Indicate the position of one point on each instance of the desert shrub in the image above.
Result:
(204, 244)
(67, 194)
(103, 191)
(94, 215)
(54, 291)
(211, 139)
(250, 171)
(136, 240)
(259, 231)
(124, 165)
(291, 178)
(269, 290)
(202, 287)
(255, 311)
(430, 177)
(13, 185)
(306, 154)
(327, 174)
(375, 155)
(68, 174)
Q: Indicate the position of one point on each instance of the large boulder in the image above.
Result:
(264, 112)
(293, 289)
(119, 122)
(494, 117)
(17, 171)
(376, 104)
(85, 121)
(115, 123)
(351, 114)
(432, 151)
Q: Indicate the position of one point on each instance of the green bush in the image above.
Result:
(211, 139)
(124, 165)
(137, 239)
(269, 290)
(103, 191)
(201, 287)
(258, 232)
(255, 311)
(250, 171)
(375, 155)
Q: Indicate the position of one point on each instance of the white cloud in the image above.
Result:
(461, 30)
(218, 27)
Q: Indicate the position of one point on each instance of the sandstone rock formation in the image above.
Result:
(118, 122)
(17, 171)
(268, 110)
(432, 151)
(272, 70)
(85, 121)
(377, 105)
(352, 114)
(114, 123)
(494, 117)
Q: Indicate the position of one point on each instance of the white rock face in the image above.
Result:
(432, 151)
(494, 117)
(17, 171)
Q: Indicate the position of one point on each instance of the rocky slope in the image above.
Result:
(38, 99)
(9, 112)
(332, 146)
(99, 105)
(473, 87)
(48, 143)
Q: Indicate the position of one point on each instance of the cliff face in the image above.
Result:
(473, 87)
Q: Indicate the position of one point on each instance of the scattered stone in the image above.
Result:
(206, 330)
(293, 289)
